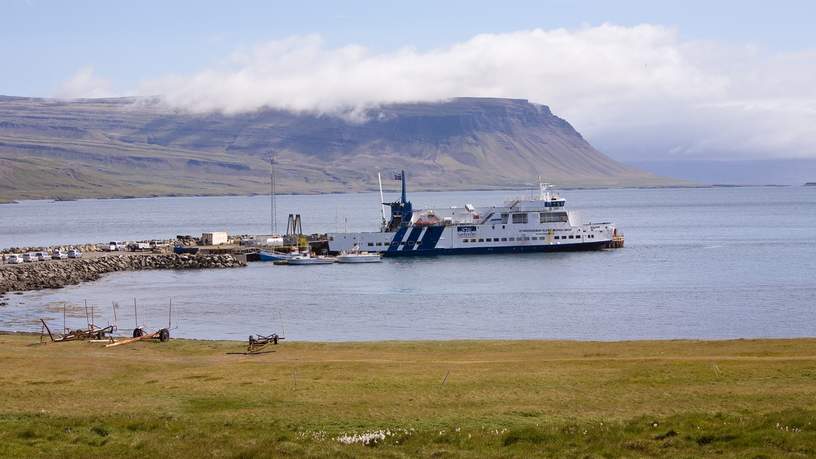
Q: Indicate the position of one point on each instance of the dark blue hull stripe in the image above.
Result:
(431, 238)
(412, 238)
(506, 249)
(397, 239)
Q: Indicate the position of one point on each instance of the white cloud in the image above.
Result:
(634, 91)
(85, 84)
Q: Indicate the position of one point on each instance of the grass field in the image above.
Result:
(745, 398)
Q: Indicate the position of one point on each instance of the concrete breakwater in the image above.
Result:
(42, 275)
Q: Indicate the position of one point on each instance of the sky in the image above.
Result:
(640, 79)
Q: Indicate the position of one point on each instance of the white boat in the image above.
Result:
(527, 224)
(306, 259)
(359, 257)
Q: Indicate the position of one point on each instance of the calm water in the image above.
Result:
(698, 263)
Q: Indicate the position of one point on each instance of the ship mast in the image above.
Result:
(382, 201)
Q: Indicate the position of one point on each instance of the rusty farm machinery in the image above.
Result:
(96, 334)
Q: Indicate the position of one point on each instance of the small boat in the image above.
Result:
(359, 257)
(306, 259)
(263, 255)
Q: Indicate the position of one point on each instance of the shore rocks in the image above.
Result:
(57, 274)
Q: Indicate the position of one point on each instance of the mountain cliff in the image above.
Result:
(138, 147)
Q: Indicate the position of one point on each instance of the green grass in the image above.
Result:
(745, 398)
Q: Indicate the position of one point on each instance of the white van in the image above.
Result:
(113, 246)
(14, 259)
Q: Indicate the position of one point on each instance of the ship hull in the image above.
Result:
(579, 247)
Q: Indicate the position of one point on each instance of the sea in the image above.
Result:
(699, 263)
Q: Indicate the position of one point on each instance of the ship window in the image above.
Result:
(557, 237)
(504, 218)
(331, 238)
(571, 236)
(512, 239)
(481, 240)
(552, 217)
(504, 239)
(371, 244)
(519, 219)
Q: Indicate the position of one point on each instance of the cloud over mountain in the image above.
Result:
(635, 92)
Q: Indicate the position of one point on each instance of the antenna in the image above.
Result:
(115, 319)
(170, 314)
(273, 223)
(135, 313)
(63, 318)
(283, 326)
(87, 318)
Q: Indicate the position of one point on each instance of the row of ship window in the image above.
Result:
(525, 238)
(520, 218)
(494, 239)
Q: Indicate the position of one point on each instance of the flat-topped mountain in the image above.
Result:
(138, 147)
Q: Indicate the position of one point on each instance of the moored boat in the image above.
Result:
(306, 259)
(359, 257)
(528, 224)
(264, 255)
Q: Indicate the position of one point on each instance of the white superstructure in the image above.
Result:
(536, 224)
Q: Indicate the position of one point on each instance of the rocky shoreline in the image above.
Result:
(58, 274)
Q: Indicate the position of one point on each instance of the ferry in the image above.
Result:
(535, 224)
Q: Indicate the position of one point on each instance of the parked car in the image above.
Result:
(42, 256)
(113, 246)
(74, 253)
(58, 255)
(14, 259)
(138, 246)
(29, 257)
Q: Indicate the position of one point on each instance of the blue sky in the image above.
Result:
(640, 79)
(44, 42)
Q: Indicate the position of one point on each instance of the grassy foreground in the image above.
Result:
(746, 398)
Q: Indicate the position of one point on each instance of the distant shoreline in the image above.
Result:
(425, 190)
